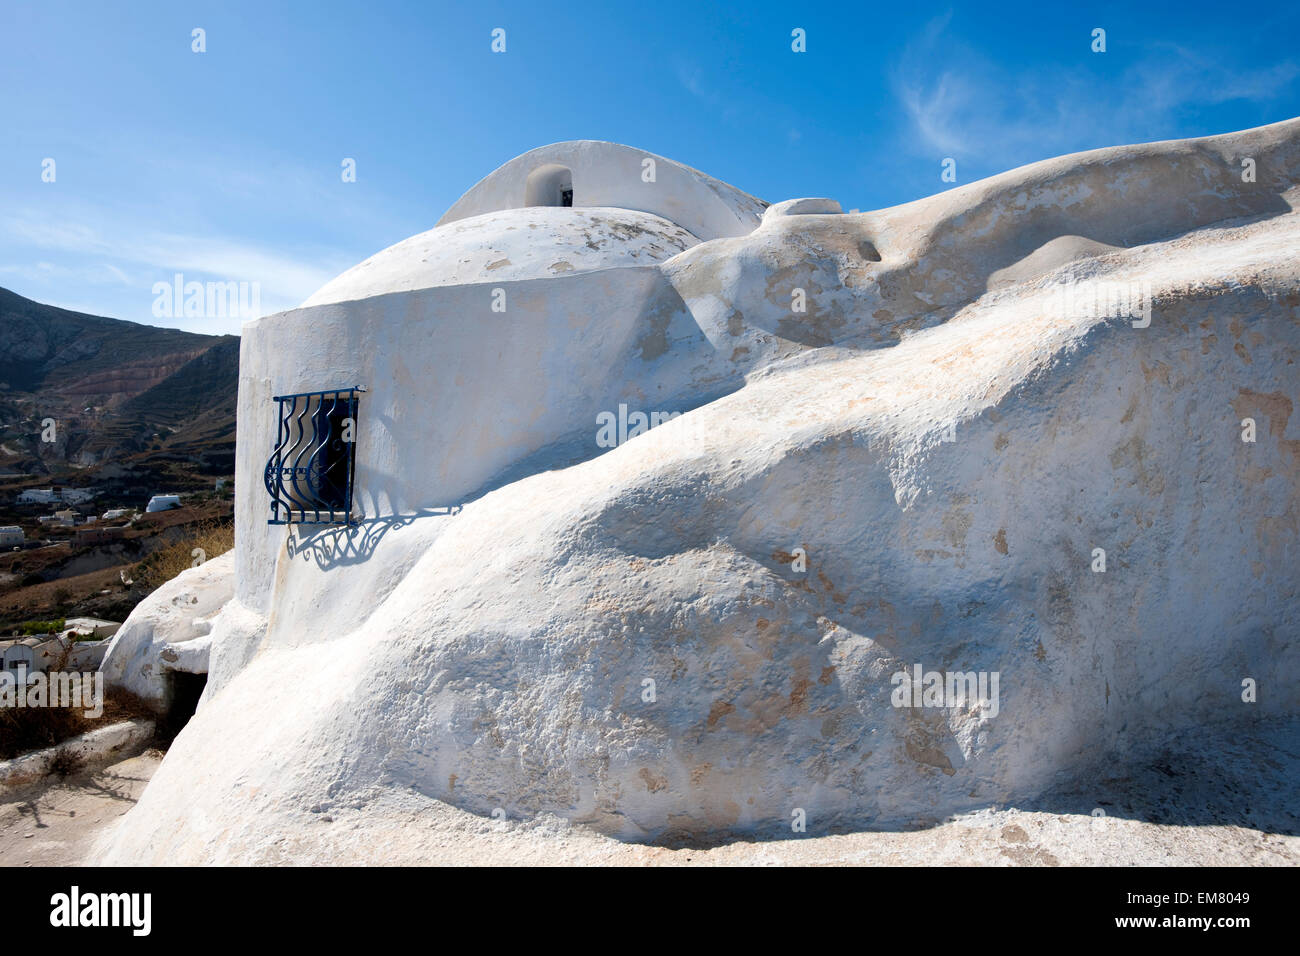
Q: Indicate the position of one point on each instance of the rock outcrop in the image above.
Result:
(170, 630)
(1034, 436)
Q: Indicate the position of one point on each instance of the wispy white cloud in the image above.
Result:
(42, 271)
(138, 259)
(209, 214)
(213, 256)
(958, 102)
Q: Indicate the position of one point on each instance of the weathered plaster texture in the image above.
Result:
(496, 656)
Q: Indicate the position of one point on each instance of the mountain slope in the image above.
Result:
(47, 349)
(116, 390)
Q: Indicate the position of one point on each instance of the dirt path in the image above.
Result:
(54, 824)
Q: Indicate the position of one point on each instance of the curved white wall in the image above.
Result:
(434, 425)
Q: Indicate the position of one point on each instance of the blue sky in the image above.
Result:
(225, 165)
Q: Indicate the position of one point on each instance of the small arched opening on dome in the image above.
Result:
(549, 185)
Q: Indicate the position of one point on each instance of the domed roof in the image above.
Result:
(511, 244)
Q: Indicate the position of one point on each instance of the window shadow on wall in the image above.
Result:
(330, 546)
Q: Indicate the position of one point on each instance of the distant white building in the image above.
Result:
(91, 626)
(11, 535)
(163, 502)
(15, 654)
(46, 496)
(114, 513)
(38, 496)
(34, 654)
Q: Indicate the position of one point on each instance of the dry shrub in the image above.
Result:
(23, 729)
(34, 728)
(213, 536)
(65, 763)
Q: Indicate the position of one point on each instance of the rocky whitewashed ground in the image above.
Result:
(1228, 801)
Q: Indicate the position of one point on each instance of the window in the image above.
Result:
(310, 472)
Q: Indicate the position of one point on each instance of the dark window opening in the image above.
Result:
(310, 473)
(566, 197)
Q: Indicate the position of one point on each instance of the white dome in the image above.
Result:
(511, 244)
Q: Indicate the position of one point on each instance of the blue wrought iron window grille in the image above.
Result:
(310, 474)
